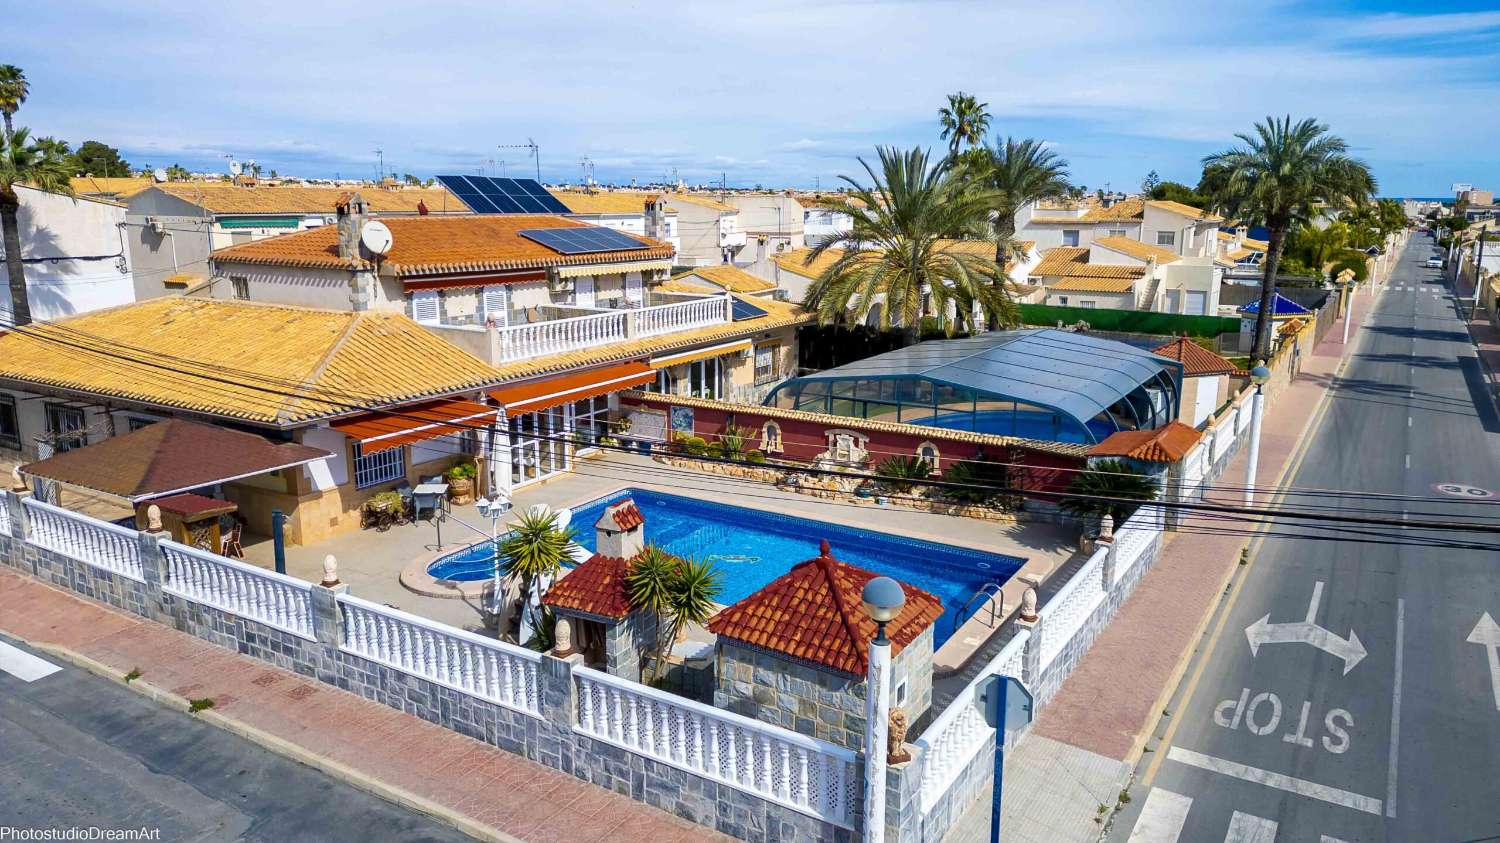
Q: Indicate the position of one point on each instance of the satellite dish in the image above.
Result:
(376, 237)
(235, 168)
(159, 174)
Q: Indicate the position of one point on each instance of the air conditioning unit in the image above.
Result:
(157, 226)
(560, 285)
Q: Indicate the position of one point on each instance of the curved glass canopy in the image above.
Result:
(1036, 384)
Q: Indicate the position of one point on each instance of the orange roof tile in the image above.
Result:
(813, 613)
(1136, 249)
(433, 244)
(627, 516)
(1073, 262)
(597, 587)
(226, 198)
(1124, 211)
(1168, 443)
(1087, 284)
(1195, 359)
(1183, 210)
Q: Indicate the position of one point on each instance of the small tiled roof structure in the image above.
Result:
(813, 613)
(1136, 249)
(1080, 284)
(1281, 308)
(597, 588)
(1125, 211)
(1166, 444)
(1073, 262)
(1290, 327)
(728, 277)
(795, 260)
(624, 516)
(1196, 360)
(170, 456)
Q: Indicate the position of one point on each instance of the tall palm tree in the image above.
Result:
(535, 549)
(13, 91)
(965, 120)
(1016, 172)
(37, 165)
(1274, 179)
(901, 246)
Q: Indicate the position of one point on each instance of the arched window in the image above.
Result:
(770, 438)
(929, 452)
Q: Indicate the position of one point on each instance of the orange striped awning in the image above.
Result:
(413, 423)
(533, 396)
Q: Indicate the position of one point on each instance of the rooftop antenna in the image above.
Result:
(532, 149)
(588, 174)
(381, 153)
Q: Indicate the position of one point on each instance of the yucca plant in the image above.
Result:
(679, 592)
(981, 482)
(536, 547)
(733, 441)
(896, 473)
(1113, 488)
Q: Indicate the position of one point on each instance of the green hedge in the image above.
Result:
(1129, 321)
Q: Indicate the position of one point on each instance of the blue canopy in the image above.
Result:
(1280, 306)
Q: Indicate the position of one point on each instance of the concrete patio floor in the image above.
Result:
(371, 561)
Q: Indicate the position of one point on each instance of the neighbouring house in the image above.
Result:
(287, 374)
(794, 653)
(1205, 379)
(1122, 273)
(172, 227)
(726, 277)
(708, 228)
(636, 212)
(73, 254)
(114, 188)
(774, 220)
(1182, 229)
(1283, 310)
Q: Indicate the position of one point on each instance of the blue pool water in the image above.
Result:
(752, 547)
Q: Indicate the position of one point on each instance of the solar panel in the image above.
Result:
(745, 310)
(582, 240)
(485, 195)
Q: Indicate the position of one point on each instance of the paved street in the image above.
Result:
(1342, 699)
(81, 751)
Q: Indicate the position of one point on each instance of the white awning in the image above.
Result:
(612, 268)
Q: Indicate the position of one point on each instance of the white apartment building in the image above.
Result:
(74, 255)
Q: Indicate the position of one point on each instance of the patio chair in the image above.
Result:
(404, 490)
(230, 544)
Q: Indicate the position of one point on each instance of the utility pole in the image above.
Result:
(1478, 268)
(381, 153)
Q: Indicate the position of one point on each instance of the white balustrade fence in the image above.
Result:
(255, 593)
(1065, 614)
(959, 733)
(802, 773)
(680, 316)
(555, 336)
(482, 667)
(1135, 536)
(96, 542)
(4, 518)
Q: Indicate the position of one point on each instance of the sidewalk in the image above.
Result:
(1085, 743)
(481, 790)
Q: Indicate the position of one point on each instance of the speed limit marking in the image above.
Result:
(1459, 490)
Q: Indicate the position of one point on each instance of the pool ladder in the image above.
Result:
(988, 594)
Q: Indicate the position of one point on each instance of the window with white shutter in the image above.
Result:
(495, 304)
(426, 308)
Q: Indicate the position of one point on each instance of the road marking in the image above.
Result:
(23, 665)
(1487, 634)
(1248, 828)
(1350, 650)
(1408, 461)
(1323, 838)
(1408, 421)
(1390, 772)
(1290, 784)
(1161, 817)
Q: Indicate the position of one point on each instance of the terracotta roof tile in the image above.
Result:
(1086, 284)
(432, 245)
(728, 277)
(1073, 262)
(604, 201)
(1131, 247)
(1129, 210)
(597, 587)
(1168, 443)
(225, 198)
(1195, 359)
(1184, 210)
(812, 613)
(627, 516)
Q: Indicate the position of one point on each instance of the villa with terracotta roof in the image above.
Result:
(793, 270)
(1121, 273)
(1206, 379)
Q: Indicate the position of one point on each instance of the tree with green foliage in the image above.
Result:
(177, 172)
(1150, 183)
(902, 247)
(534, 549)
(1277, 178)
(13, 92)
(679, 592)
(93, 158)
(1173, 191)
(1111, 487)
(37, 165)
(1013, 173)
(965, 120)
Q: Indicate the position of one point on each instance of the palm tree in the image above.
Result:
(1274, 179)
(1016, 172)
(902, 246)
(1110, 487)
(535, 548)
(964, 120)
(679, 592)
(39, 166)
(13, 91)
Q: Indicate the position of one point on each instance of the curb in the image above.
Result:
(280, 746)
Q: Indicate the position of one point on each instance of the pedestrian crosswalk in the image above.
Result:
(1416, 288)
(1165, 813)
(23, 665)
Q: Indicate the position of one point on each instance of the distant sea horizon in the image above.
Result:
(1421, 198)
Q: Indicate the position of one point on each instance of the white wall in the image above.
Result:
(1102, 301)
(330, 472)
(93, 269)
(1191, 274)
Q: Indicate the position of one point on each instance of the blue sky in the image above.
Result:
(766, 93)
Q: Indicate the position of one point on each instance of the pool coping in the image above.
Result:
(414, 578)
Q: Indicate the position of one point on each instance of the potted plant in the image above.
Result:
(382, 510)
(461, 482)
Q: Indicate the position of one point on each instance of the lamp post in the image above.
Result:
(1258, 376)
(882, 599)
(1350, 288)
(493, 511)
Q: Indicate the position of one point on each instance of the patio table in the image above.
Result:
(429, 496)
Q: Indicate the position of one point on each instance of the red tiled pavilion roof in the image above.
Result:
(597, 587)
(1168, 443)
(813, 613)
(628, 516)
(1195, 359)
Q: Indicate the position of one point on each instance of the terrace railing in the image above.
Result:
(482, 667)
(518, 342)
(255, 593)
(802, 773)
(99, 543)
(681, 316)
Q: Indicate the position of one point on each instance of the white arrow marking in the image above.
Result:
(1350, 650)
(1487, 635)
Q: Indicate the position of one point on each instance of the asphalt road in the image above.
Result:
(1284, 743)
(78, 751)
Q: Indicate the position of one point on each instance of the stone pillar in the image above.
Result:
(630, 327)
(20, 527)
(14, 549)
(328, 621)
(1107, 542)
(154, 566)
(1031, 620)
(559, 711)
(903, 814)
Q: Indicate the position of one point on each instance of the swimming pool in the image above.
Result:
(751, 547)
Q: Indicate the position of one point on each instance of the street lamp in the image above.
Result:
(1258, 376)
(493, 511)
(882, 599)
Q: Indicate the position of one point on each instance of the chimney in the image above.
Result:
(656, 218)
(620, 532)
(351, 210)
(1242, 232)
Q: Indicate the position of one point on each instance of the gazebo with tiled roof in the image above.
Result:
(1205, 379)
(794, 652)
